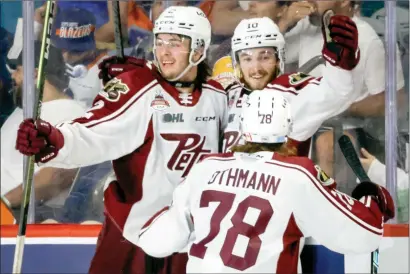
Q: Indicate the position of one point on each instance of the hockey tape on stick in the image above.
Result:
(29, 167)
(353, 161)
(118, 30)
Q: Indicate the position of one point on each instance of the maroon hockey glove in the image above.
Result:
(39, 138)
(112, 67)
(340, 37)
(380, 194)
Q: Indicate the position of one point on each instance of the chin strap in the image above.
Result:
(178, 84)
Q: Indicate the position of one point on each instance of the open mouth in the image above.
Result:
(167, 63)
(257, 77)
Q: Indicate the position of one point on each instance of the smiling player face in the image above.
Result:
(172, 53)
(258, 66)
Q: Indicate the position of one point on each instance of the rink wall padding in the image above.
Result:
(55, 248)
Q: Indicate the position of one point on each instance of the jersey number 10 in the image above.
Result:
(239, 227)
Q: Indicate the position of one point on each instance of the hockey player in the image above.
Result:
(153, 122)
(249, 209)
(258, 58)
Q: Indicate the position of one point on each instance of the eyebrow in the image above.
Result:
(172, 40)
(257, 54)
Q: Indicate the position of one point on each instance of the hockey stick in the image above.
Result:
(29, 169)
(118, 30)
(352, 159)
(311, 64)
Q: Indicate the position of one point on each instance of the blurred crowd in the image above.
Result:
(83, 35)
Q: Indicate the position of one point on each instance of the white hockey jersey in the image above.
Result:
(153, 133)
(249, 211)
(313, 100)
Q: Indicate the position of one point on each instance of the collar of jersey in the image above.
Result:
(265, 155)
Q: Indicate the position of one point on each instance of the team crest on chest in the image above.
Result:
(159, 103)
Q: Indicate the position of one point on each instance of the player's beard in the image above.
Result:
(259, 84)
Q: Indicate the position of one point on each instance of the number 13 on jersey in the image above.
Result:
(239, 227)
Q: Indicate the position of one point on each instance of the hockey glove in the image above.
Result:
(112, 67)
(381, 196)
(40, 139)
(340, 37)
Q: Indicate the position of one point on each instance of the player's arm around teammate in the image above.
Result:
(176, 219)
(342, 223)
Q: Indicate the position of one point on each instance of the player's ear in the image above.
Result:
(197, 54)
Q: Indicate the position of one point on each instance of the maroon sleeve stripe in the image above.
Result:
(376, 229)
(152, 219)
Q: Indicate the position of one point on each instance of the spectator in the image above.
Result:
(377, 21)
(377, 173)
(6, 102)
(56, 107)
(73, 33)
(138, 23)
(369, 73)
(225, 16)
(99, 9)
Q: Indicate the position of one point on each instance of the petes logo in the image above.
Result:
(159, 103)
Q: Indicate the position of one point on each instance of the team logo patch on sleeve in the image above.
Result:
(113, 89)
(323, 177)
(297, 78)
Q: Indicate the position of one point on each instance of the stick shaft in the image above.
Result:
(29, 170)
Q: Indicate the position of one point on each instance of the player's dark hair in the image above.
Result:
(204, 72)
(280, 148)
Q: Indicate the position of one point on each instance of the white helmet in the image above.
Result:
(266, 117)
(188, 21)
(258, 33)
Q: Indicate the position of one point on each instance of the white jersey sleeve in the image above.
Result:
(335, 219)
(170, 229)
(115, 126)
(321, 99)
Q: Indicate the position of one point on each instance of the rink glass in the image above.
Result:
(80, 197)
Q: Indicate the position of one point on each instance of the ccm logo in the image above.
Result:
(205, 119)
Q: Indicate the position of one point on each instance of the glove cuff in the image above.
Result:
(382, 196)
(56, 138)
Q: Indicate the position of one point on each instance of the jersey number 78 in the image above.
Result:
(239, 227)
